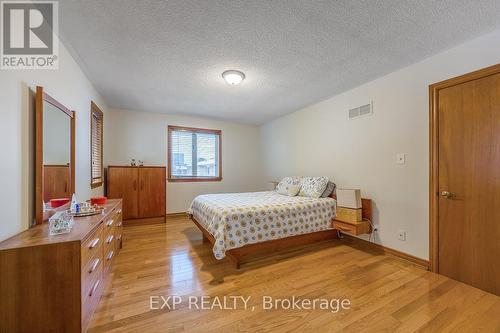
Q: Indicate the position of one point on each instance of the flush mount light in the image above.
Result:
(233, 77)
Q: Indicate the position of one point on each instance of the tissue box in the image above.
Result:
(60, 223)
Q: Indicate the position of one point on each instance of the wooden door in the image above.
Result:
(152, 192)
(468, 188)
(123, 182)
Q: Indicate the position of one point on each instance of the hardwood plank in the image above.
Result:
(386, 293)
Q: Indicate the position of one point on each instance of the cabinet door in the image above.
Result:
(151, 192)
(56, 182)
(124, 183)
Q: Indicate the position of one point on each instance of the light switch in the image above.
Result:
(401, 158)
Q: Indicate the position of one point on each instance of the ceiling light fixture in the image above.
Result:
(233, 77)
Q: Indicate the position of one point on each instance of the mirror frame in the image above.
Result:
(40, 98)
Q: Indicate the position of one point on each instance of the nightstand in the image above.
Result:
(357, 228)
(353, 228)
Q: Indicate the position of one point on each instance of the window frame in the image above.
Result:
(171, 178)
(94, 109)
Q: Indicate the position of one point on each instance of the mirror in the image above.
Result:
(54, 156)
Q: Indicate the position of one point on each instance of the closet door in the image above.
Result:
(123, 182)
(152, 192)
(469, 182)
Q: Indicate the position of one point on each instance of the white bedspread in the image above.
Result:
(239, 219)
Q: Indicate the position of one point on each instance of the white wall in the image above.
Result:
(320, 140)
(143, 136)
(72, 88)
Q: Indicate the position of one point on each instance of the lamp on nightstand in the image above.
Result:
(353, 213)
(349, 205)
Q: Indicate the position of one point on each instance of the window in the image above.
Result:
(194, 154)
(96, 129)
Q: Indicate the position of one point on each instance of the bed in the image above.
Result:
(239, 225)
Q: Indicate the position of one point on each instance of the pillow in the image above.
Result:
(313, 187)
(290, 190)
(287, 181)
(330, 188)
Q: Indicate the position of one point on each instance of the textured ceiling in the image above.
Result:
(168, 56)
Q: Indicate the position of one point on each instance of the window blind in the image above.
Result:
(96, 129)
(194, 153)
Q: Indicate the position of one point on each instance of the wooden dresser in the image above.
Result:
(143, 190)
(53, 283)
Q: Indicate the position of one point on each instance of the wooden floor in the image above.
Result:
(387, 293)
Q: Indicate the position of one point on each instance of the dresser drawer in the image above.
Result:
(118, 231)
(118, 239)
(92, 245)
(109, 251)
(109, 224)
(108, 259)
(92, 268)
(91, 295)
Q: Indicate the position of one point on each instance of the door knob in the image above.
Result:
(447, 195)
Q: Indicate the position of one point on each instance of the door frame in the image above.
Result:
(434, 155)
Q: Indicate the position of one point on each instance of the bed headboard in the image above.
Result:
(366, 207)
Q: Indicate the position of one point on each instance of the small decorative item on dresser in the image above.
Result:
(86, 209)
(133, 163)
(54, 203)
(99, 201)
(141, 163)
(60, 223)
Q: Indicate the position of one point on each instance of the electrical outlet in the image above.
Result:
(401, 158)
(402, 235)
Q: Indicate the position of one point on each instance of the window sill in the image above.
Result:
(96, 184)
(194, 180)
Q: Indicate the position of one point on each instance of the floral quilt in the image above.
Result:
(239, 219)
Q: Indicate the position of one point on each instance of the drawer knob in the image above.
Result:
(110, 239)
(110, 223)
(94, 288)
(94, 243)
(94, 266)
(110, 255)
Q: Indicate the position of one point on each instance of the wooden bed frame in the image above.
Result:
(238, 255)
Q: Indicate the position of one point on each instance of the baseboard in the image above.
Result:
(144, 221)
(181, 214)
(386, 250)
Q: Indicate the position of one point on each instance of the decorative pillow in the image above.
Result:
(290, 190)
(313, 187)
(330, 188)
(287, 181)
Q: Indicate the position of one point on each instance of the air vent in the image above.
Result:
(361, 111)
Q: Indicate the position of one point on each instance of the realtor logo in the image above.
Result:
(28, 35)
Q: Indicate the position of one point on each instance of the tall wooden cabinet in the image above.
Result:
(56, 182)
(142, 189)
